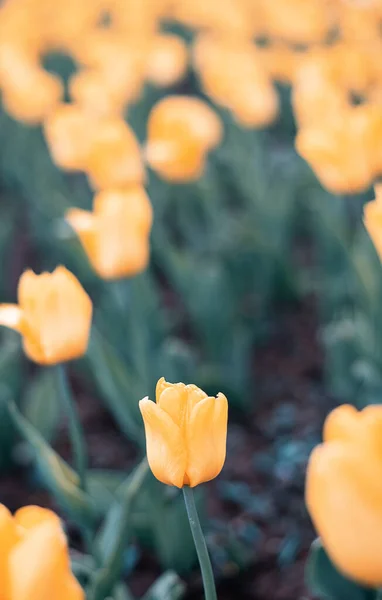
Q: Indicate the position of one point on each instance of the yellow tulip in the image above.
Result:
(344, 492)
(115, 236)
(181, 130)
(114, 160)
(186, 434)
(68, 132)
(167, 60)
(34, 557)
(53, 316)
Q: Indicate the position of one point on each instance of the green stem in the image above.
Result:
(200, 544)
(75, 428)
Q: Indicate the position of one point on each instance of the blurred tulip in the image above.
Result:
(116, 61)
(344, 492)
(34, 561)
(95, 93)
(115, 157)
(298, 21)
(340, 150)
(233, 76)
(185, 434)
(68, 131)
(167, 60)
(372, 218)
(32, 96)
(115, 236)
(53, 316)
(180, 132)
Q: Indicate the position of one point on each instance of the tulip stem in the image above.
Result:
(75, 428)
(200, 544)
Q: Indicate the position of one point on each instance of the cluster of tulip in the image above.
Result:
(89, 133)
(185, 432)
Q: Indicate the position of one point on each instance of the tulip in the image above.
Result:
(167, 60)
(340, 150)
(32, 96)
(68, 131)
(372, 218)
(186, 434)
(53, 316)
(95, 93)
(181, 130)
(297, 21)
(34, 561)
(344, 492)
(115, 235)
(232, 74)
(115, 158)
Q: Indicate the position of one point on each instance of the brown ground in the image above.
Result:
(260, 492)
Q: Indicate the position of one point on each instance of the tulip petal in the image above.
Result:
(341, 424)
(344, 499)
(9, 537)
(166, 451)
(206, 439)
(29, 517)
(39, 564)
(11, 316)
(173, 400)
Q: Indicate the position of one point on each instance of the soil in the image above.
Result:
(259, 495)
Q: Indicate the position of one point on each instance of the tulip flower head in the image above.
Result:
(53, 316)
(115, 156)
(181, 130)
(115, 236)
(34, 558)
(186, 434)
(344, 492)
(68, 131)
(167, 60)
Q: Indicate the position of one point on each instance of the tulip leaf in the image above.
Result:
(40, 404)
(167, 587)
(61, 480)
(327, 583)
(117, 385)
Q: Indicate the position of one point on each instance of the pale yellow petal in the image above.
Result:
(173, 400)
(29, 517)
(166, 451)
(11, 316)
(344, 500)
(39, 564)
(341, 424)
(206, 439)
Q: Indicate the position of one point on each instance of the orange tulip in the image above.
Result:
(344, 492)
(340, 150)
(32, 94)
(233, 76)
(298, 21)
(167, 60)
(53, 316)
(34, 558)
(68, 131)
(115, 235)
(372, 218)
(115, 157)
(95, 93)
(181, 130)
(186, 434)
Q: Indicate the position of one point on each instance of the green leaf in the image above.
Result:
(167, 587)
(41, 404)
(119, 388)
(327, 583)
(60, 479)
